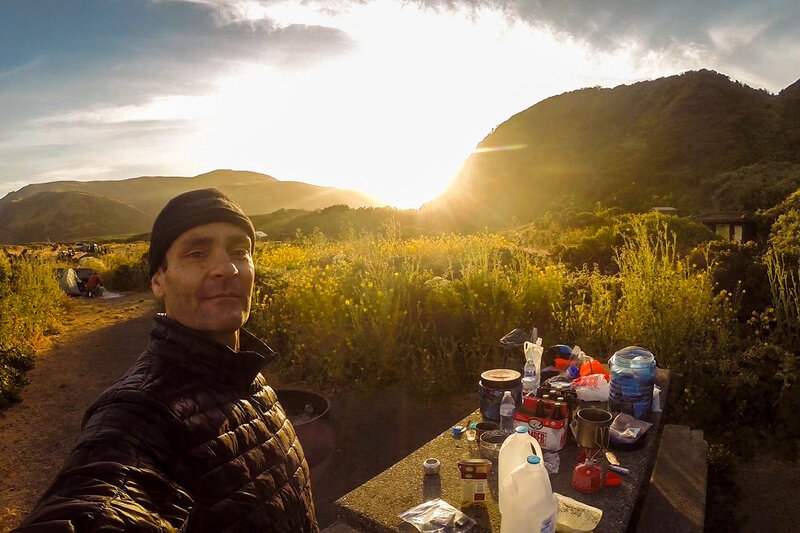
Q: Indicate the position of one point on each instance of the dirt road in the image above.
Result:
(101, 338)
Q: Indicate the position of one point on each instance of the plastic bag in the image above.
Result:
(552, 462)
(592, 388)
(437, 516)
(626, 430)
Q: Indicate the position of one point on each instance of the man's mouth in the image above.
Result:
(222, 295)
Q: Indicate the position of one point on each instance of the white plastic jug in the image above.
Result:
(527, 502)
(515, 451)
(533, 358)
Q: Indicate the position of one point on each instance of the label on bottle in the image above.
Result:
(549, 524)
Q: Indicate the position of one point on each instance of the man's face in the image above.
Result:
(208, 280)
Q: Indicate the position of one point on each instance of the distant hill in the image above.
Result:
(68, 216)
(696, 141)
(255, 193)
(339, 221)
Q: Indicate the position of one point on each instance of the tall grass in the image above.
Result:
(785, 294)
(656, 300)
(31, 305)
(125, 267)
(659, 301)
(426, 312)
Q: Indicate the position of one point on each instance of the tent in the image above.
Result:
(68, 281)
(91, 262)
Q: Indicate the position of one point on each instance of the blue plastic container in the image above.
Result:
(633, 374)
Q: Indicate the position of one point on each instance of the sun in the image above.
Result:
(397, 114)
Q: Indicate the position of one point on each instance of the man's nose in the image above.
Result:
(224, 265)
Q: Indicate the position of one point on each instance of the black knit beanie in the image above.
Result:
(189, 210)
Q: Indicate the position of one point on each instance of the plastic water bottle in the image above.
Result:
(533, 362)
(515, 451)
(507, 408)
(527, 502)
(529, 370)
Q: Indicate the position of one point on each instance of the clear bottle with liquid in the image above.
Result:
(507, 409)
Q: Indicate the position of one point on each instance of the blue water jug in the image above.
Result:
(633, 374)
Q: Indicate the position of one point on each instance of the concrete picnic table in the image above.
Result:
(374, 506)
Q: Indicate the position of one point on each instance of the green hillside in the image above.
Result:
(256, 193)
(694, 141)
(67, 216)
(339, 221)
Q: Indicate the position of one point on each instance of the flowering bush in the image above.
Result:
(427, 312)
(31, 305)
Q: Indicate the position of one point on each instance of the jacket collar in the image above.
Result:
(217, 361)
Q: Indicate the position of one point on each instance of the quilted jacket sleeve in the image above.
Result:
(115, 479)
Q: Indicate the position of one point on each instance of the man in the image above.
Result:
(191, 438)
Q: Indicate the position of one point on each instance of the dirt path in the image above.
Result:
(101, 338)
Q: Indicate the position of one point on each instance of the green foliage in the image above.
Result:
(126, 267)
(337, 222)
(785, 235)
(13, 364)
(785, 301)
(754, 187)
(31, 305)
(590, 239)
(425, 312)
(656, 299)
(737, 268)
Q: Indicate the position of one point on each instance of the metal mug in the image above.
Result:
(590, 427)
(484, 426)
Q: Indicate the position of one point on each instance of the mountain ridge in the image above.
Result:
(256, 193)
(67, 215)
(656, 142)
(151, 193)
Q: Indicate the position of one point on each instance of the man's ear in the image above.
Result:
(157, 284)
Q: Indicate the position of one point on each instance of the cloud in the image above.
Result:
(680, 30)
(715, 31)
(274, 13)
(158, 108)
(25, 67)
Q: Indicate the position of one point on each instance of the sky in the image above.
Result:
(386, 97)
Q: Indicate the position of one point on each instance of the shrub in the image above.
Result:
(127, 268)
(425, 312)
(13, 364)
(785, 234)
(31, 305)
(659, 301)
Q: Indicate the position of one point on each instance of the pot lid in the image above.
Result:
(501, 377)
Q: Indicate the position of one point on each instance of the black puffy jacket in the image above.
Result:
(190, 439)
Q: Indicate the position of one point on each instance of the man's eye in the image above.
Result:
(240, 252)
(196, 254)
